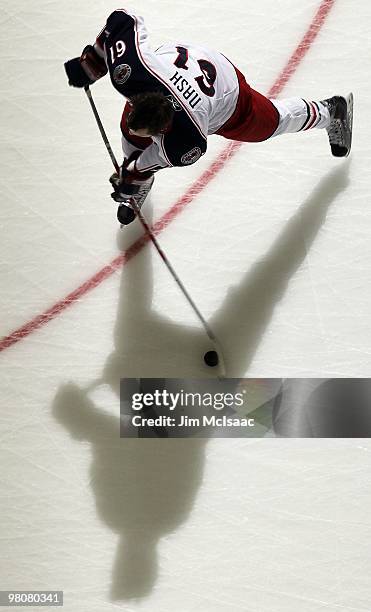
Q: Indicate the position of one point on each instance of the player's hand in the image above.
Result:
(87, 69)
(128, 183)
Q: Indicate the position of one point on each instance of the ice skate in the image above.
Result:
(340, 129)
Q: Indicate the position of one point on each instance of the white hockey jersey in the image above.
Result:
(201, 84)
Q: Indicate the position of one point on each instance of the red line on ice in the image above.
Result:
(199, 185)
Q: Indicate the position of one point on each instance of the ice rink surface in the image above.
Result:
(275, 250)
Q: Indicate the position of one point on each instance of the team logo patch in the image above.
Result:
(121, 73)
(174, 103)
(191, 157)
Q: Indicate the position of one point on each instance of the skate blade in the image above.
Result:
(349, 100)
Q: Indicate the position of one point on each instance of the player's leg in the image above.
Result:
(334, 114)
(299, 115)
(257, 118)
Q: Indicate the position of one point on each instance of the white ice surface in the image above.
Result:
(276, 253)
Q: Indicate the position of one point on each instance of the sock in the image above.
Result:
(299, 115)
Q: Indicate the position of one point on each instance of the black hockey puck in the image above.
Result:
(211, 359)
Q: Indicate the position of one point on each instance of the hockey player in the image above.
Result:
(180, 94)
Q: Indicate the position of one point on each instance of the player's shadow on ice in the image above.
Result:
(241, 322)
(145, 489)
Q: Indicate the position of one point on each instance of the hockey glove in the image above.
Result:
(130, 184)
(87, 69)
(131, 189)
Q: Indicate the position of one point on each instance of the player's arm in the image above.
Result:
(137, 170)
(160, 154)
(92, 65)
(153, 158)
(136, 175)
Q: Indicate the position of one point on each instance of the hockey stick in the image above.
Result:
(153, 239)
(101, 129)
